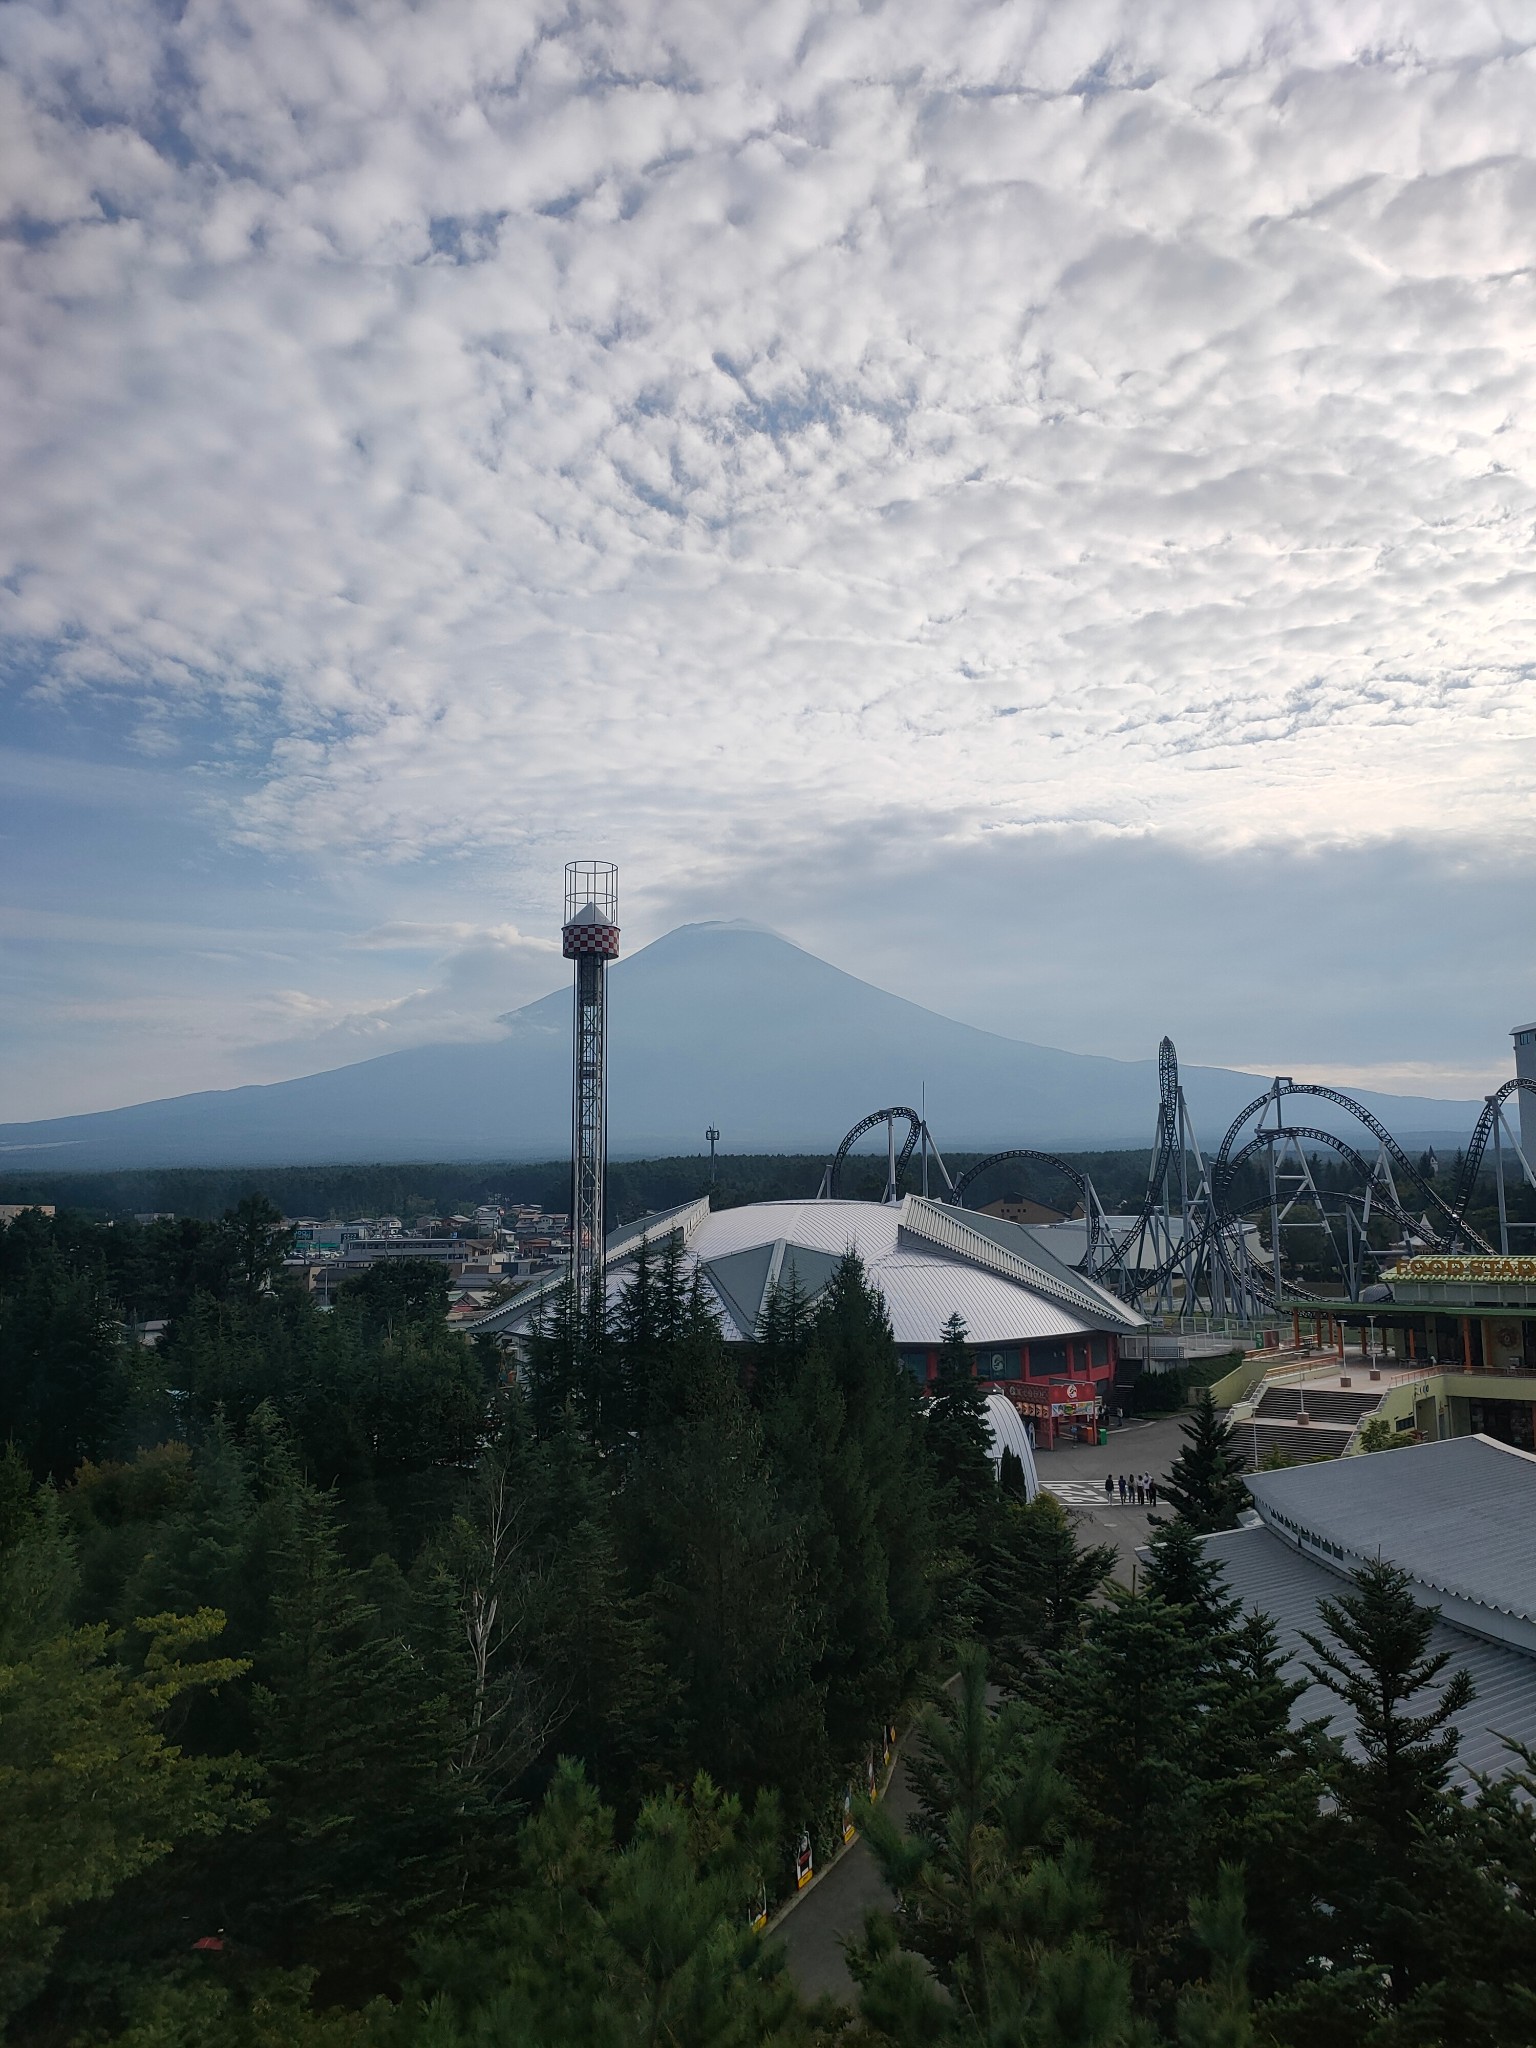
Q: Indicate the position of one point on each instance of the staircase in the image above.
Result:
(1301, 1446)
(1323, 1404)
(1271, 1420)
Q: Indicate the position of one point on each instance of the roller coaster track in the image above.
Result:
(1095, 1239)
(1214, 1232)
(1455, 1217)
(1165, 1146)
(1382, 1197)
(963, 1180)
(867, 1124)
(1482, 1131)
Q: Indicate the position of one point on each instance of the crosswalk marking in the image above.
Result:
(1077, 1493)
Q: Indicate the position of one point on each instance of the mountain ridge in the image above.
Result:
(722, 1022)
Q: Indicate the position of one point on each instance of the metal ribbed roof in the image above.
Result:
(868, 1227)
(1459, 1516)
(927, 1260)
(1271, 1576)
(923, 1289)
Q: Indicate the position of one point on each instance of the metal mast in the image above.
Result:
(590, 937)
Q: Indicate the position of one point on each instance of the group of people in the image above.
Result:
(1136, 1489)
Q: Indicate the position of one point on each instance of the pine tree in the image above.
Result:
(1128, 1702)
(959, 1445)
(1037, 1586)
(1258, 1781)
(92, 1789)
(1219, 2012)
(995, 1898)
(1377, 1660)
(358, 1735)
(65, 1392)
(721, 1571)
(840, 1435)
(1205, 1486)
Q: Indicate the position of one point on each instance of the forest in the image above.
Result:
(353, 1693)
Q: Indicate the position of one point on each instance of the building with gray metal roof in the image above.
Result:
(1458, 1517)
(1039, 1332)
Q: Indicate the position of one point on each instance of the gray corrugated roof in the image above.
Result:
(1271, 1576)
(970, 1234)
(1458, 1516)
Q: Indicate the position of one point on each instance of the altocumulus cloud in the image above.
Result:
(502, 423)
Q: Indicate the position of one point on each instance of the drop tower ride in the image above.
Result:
(590, 937)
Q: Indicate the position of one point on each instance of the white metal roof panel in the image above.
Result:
(833, 1227)
(923, 1290)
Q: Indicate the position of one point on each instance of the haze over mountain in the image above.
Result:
(722, 1022)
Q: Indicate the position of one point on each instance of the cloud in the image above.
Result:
(459, 435)
(524, 421)
(478, 975)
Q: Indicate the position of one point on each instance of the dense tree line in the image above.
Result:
(349, 1695)
(636, 1187)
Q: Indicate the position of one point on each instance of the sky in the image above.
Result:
(1036, 502)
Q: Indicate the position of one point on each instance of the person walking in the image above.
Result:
(1152, 1493)
(1122, 1489)
(1109, 1488)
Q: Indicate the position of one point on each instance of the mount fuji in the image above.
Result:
(721, 1023)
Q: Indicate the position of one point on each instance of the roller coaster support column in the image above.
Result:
(1498, 1170)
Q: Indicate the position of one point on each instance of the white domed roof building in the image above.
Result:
(1040, 1334)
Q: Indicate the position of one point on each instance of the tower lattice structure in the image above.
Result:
(590, 938)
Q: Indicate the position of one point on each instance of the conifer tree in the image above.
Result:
(995, 1897)
(1258, 1781)
(1219, 2012)
(1393, 1797)
(92, 1790)
(1037, 1585)
(1205, 1487)
(1128, 1702)
(358, 1735)
(959, 1445)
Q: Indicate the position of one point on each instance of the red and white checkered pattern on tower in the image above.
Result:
(578, 938)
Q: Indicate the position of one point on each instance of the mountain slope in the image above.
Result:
(715, 1022)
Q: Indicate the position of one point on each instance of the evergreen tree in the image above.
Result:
(1219, 2012)
(359, 1737)
(1258, 1782)
(722, 1575)
(1128, 1703)
(1205, 1485)
(841, 1431)
(66, 1390)
(994, 1897)
(959, 1445)
(607, 1946)
(92, 1790)
(1394, 1797)
(1037, 1586)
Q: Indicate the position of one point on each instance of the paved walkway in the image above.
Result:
(1075, 1474)
(832, 1911)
